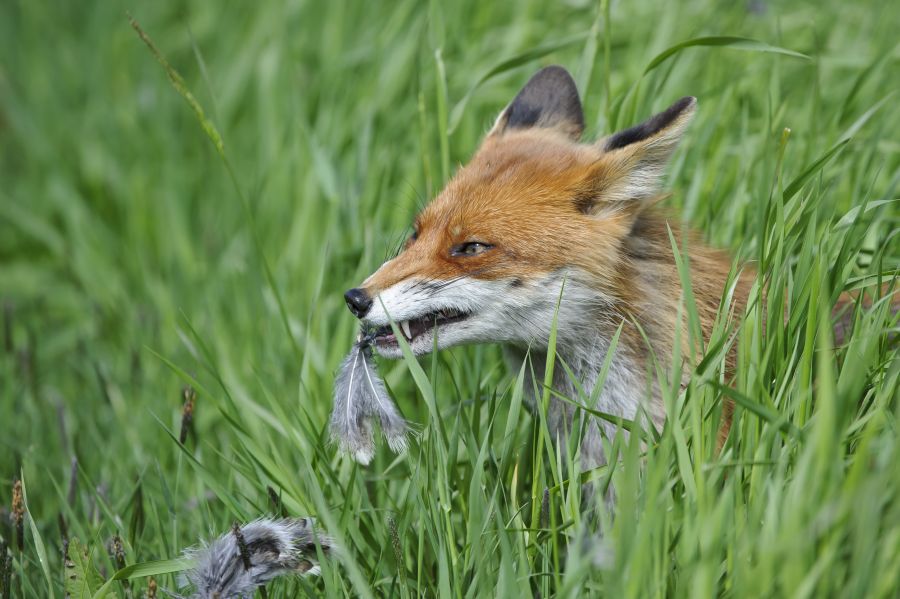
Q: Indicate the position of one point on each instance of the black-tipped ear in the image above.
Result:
(671, 120)
(633, 162)
(549, 100)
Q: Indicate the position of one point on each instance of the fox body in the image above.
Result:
(540, 228)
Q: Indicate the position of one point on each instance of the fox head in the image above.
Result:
(530, 230)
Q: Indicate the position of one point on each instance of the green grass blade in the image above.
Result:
(731, 42)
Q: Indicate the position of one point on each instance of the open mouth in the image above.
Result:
(414, 328)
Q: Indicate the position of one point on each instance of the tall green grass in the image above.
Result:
(134, 261)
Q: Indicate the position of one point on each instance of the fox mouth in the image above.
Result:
(416, 327)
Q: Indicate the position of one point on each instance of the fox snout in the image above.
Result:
(358, 301)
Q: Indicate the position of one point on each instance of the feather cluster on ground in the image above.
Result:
(360, 398)
(240, 561)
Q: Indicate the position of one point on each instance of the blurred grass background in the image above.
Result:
(129, 268)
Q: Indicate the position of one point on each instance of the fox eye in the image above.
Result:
(470, 248)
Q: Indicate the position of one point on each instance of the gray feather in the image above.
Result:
(360, 397)
(273, 548)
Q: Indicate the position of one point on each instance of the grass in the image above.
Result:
(134, 262)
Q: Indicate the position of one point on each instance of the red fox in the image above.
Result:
(536, 212)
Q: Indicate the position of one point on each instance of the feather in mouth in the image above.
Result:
(415, 327)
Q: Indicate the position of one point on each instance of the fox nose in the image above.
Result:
(358, 301)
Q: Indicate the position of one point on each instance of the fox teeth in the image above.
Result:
(404, 326)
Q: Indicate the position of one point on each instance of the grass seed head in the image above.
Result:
(275, 501)
(64, 536)
(18, 514)
(395, 541)
(117, 551)
(187, 413)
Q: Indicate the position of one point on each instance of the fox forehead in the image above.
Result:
(518, 194)
(524, 175)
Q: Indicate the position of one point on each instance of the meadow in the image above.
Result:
(156, 251)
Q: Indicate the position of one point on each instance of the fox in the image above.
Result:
(542, 233)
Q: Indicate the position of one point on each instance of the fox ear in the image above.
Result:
(549, 100)
(634, 160)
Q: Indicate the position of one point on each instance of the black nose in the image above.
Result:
(358, 301)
